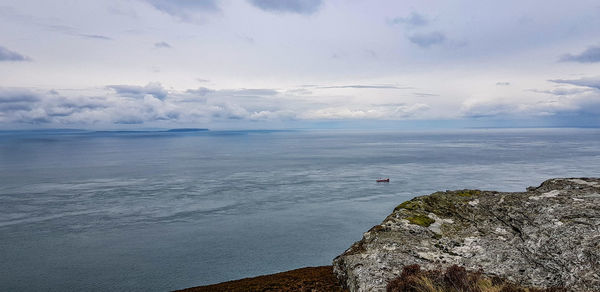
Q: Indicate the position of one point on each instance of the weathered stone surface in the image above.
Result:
(548, 236)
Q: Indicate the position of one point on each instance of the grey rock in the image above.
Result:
(545, 237)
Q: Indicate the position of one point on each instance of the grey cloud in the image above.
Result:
(203, 91)
(488, 109)
(12, 107)
(8, 12)
(8, 95)
(129, 121)
(190, 106)
(153, 88)
(425, 40)
(8, 55)
(235, 112)
(503, 83)
(72, 31)
(183, 8)
(23, 105)
(272, 115)
(358, 86)
(254, 91)
(123, 11)
(395, 104)
(230, 111)
(413, 20)
(291, 6)
(44, 23)
(371, 53)
(37, 120)
(417, 36)
(95, 36)
(590, 55)
(585, 82)
(562, 91)
(245, 38)
(28, 106)
(59, 28)
(162, 45)
(422, 94)
(81, 103)
(299, 91)
(564, 102)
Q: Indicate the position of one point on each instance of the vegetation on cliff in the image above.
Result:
(305, 279)
(454, 279)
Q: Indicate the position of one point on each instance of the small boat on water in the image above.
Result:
(387, 179)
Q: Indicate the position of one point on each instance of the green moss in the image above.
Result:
(440, 204)
(444, 204)
(420, 220)
(409, 205)
(468, 193)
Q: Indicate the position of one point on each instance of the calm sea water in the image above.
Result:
(160, 211)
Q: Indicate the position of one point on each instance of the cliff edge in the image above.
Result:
(548, 236)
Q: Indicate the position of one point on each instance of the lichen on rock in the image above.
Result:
(545, 237)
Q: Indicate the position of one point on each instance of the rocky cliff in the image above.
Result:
(545, 237)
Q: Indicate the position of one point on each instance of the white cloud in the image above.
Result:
(151, 104)
(383, 112)
(455, 54)
(553, 102)
(153, 88)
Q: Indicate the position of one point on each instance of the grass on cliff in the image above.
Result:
(468, 193)
(420, 220)
(453, 279)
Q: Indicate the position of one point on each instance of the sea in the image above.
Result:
(158, 210)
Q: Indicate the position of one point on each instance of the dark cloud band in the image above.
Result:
(591, 55)
(291, 6)
(8, 55)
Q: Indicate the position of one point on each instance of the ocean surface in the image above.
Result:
(156, 211)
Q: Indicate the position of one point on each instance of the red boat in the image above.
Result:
(383, 179)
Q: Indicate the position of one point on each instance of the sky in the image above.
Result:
(271, 64)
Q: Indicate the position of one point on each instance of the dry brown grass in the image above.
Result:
(454, 279)
(314, 279)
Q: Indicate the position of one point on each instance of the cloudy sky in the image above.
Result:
(298, 63)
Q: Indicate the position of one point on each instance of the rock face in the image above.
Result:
(545, 237)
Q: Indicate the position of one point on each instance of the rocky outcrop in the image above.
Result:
(545, 237)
